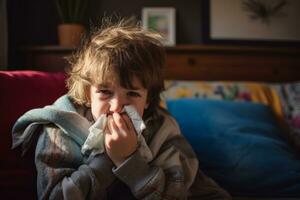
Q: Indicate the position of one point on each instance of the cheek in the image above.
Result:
(141, 106)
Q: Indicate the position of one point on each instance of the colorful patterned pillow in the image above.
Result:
(225, 90)
(290, 100)
(283, 98)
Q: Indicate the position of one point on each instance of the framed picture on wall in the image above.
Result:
(162, 20)
(269, 22)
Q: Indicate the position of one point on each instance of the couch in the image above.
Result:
(239, 131)
(21, 91)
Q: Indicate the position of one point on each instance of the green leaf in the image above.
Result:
(71, 11)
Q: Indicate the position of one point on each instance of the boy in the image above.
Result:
(118, 66)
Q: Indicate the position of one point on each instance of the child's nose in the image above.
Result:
(118, 103)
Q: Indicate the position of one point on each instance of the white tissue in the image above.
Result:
(95, 139)
(136, 119)
(96, 136)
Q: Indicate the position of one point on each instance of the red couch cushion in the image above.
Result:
(20, 92)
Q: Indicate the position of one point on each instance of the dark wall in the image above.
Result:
(34, 22)
(30, 22)
(188, 14)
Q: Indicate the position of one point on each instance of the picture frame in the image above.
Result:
(161, 20)
(231, 22)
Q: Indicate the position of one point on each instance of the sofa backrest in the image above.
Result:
(21, 91)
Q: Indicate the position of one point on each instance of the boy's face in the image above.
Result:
(111, 98)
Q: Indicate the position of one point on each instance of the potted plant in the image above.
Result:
(72, 15)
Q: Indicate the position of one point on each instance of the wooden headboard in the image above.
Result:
(233, 63)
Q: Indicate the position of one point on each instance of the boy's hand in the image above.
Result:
(121, 141)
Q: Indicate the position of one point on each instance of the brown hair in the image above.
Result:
(121, 51)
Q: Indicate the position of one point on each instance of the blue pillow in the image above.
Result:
(239, 145)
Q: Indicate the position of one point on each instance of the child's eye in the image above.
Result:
(133, 94)
(105, 92)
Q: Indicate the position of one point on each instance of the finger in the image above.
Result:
(113, 128)
(120, 122)
(107, 129)
(128, 123)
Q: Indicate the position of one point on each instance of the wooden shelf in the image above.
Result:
(217, 49)
(47, 58)
(48, 48)
(205, 62)
(182, 48)
(233, 63)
